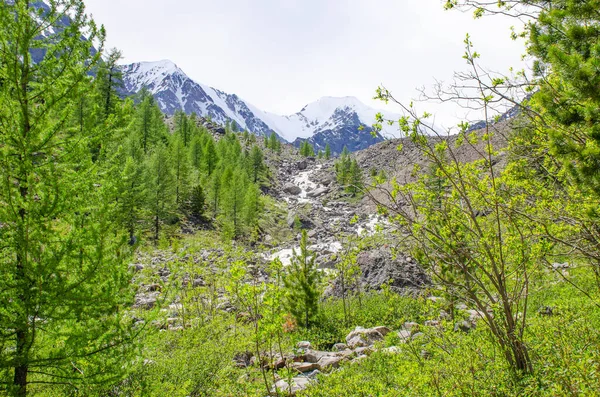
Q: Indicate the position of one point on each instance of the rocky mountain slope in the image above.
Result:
(332, 120)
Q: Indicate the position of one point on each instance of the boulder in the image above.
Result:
(313, 356)
(404, 335)
(379, 267)
(305, 367)
(317, 192)
(297, 384)
(362, 337)
(329, 362)
(302, 165)
(305, 345)
(290, 188)
(340, 347)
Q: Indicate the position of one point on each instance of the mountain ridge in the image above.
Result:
(337, 120)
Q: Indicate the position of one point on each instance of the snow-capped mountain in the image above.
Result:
(329, 120)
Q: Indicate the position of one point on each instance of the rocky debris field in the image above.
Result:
(306, 364)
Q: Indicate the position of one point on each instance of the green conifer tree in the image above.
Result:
(210, 156)
(301, 281)
(181, 171)
(63, 276)
(256, 164)
(161, 188)
(327, 152)
(131, 196)
(355, 178)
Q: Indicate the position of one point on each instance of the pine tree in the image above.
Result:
(327, 152)
(63, 276)
(302, 285)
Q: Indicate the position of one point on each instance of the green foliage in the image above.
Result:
(349, 173)
(64, 285)
(302, 283)
(327, 152)
(306, 149)
(273, 143)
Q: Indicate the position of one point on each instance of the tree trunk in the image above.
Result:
(21, 368)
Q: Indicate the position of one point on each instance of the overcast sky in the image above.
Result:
(282, 54)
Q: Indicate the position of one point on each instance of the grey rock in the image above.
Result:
(305, 367)
(302, 165)
(329, 362)
(362, 337)
(404, 335)
(303, 345)
(378, 267)
(291, 189)
(464, 326)
(340, 347)
(317, 192)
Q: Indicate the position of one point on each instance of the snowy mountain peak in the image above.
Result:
(150, 74)
(333, 120)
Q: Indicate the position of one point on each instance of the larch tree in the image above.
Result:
(63, 280)
(301, 282)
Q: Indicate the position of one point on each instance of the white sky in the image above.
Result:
(282, 54)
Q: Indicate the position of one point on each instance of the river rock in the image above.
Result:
(292, 189)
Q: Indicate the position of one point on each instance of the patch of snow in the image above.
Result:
(315, 116)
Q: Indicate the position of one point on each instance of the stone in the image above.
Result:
(302, 165)
(404, 335)
(546, 311)
(243, 360)
(359, 359)
(340, 347)
(362, 337)
(392, 350)
(317, 192)
(313, 356)
(137, 267)
(153, 287)
(411, 326)
(366, 350)
(379, 267)
(198, 282)
(382, 330)
(313, 374)
(146, 301)
(297, 384)
(329, 362)
(475, 315)
(432, 323)
(464, 326)
(305, 367)
(417, 336)
(291, 189)
(303, 345)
